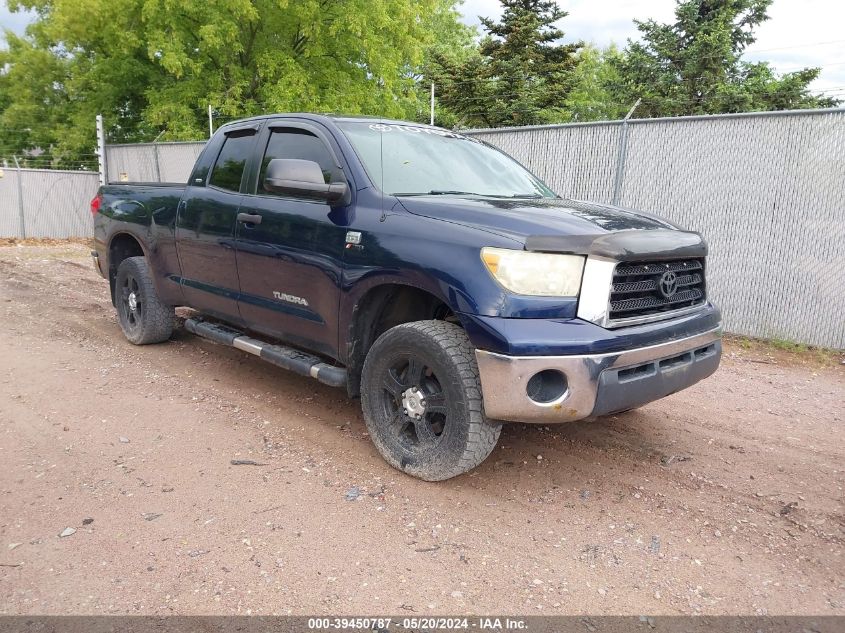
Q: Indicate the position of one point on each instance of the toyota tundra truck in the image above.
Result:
(422, 270)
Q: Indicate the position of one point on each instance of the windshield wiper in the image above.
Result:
(438, 192)
(450, 192)
(519, 195)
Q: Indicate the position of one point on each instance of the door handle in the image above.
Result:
(249, 218)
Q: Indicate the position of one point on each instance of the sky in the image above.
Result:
(799, 33)
(12, 21)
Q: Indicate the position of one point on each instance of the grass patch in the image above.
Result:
(45, 241)
(787, 351)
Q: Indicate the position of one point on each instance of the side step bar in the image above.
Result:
(284, 357)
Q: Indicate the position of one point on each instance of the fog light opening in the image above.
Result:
(546, 386)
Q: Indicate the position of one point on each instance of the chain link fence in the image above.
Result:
(765, 189)
(46, 203)
(151, 162)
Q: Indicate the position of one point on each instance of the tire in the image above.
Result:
(445, 435)
(143, 318)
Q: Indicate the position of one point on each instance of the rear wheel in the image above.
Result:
(143, 317)
(421, 397)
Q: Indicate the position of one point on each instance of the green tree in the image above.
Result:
(455, 44)
(77, 59)
(593, 95)
(153, 66)
(520, 75)
(695, 65)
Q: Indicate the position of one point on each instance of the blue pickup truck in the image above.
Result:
(425, 271)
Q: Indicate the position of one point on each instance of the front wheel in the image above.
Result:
(143, 317)
(421, 397)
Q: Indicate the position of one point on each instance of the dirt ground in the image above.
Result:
(724, 499)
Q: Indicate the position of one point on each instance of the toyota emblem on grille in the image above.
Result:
(668, 284)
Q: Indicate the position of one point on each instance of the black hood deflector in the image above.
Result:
(655, 244)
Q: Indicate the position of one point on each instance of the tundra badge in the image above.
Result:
(281, 296)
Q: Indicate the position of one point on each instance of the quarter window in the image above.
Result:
(229, 168)
(300, 144)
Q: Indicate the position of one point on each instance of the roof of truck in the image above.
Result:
(327, 116)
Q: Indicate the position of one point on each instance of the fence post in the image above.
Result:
(432, 103)
(101, 151)
(155, 158)
(21, 215)
(622, 155)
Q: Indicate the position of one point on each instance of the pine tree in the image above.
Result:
(695, 65)
(521, 74)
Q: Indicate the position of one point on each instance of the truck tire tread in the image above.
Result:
(158, 319)
(481, 433)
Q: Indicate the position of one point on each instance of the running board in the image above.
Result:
(284, 357)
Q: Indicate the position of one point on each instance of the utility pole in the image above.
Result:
(101, 150)
(21, 216)
(210, 122)
(432, 103)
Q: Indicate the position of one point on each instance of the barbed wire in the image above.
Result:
(24, 164)
(219, 119)
(22, 154)
(9, 149)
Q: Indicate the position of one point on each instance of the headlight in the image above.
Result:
(539, 274)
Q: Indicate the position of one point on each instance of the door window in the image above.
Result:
(301, 144)
(229, 168)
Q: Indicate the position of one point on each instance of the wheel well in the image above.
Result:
(379, 310)
(121, 247)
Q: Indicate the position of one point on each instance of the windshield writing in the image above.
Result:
(413, 160)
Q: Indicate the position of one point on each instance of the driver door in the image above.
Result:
(290, 255)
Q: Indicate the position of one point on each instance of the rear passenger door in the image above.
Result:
(289, 262)
(205, 228)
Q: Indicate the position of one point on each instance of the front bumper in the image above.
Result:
(596, 384)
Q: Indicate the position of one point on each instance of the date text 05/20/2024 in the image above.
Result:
(413, 624)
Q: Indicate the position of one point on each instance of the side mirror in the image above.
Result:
(303, 179)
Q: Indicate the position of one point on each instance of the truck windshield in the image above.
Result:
(410, 160)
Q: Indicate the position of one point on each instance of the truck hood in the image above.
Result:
(565, 226)
(519, 218)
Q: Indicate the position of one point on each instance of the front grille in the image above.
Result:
(650, 288)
